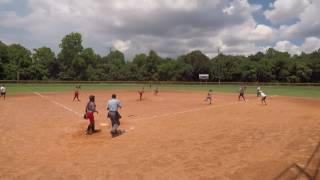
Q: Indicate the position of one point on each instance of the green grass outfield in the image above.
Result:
(297, 91)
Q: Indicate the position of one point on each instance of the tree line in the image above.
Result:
(74, 62)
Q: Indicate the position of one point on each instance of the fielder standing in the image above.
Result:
(3, 91)
(263, 97)
(209, 96)
(141, 93)
(76, 93)
(241, 93)
(258, 91)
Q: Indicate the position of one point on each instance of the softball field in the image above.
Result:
(174, 135)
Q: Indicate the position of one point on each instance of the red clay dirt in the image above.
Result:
(174, 135)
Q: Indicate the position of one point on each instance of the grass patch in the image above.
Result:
(298, 91)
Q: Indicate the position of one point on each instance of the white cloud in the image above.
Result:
(133, 26)
(122, 46)
(169, 27)
(242, 49)
(308, 24)
(311, 44)
(287, 46)
(249, 32)
(286, 10)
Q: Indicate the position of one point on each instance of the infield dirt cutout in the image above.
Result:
(174, 135)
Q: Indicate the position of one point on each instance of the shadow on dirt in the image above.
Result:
(308, 172)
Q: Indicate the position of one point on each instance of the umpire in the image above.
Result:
(113, 114)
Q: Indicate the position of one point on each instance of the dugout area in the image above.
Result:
(174, 135)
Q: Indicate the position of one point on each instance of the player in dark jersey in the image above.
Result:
(241, 93)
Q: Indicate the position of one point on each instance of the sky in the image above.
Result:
(171, 28)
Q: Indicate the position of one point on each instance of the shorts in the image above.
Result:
(76, 94)
(90, 117)
(264, 98)
(241, 94)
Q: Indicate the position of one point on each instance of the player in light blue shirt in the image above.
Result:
(113, 105)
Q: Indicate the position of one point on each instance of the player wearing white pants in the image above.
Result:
(3, 91)
(263, 97)
(258, 91)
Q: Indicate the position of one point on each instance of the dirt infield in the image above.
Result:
(171, 136)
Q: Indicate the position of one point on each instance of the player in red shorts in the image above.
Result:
(76, 93)
(141, 93)
(90, 110)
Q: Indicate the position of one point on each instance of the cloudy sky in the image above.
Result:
(170, 27)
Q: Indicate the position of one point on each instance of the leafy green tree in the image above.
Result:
(248, 70)
(3, 59)
(19, 62)
(140, 60)
(71, 49)
(90, 57)
(168, 71)
(184, 72)
(132, 72)
(43, 61)
(74, 62)
(264, 71)
(94, 74)
(314, 64)
(79, 67)
(198, 61)
(151, 66)
(116, 58)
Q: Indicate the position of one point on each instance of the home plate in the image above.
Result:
(103, 124)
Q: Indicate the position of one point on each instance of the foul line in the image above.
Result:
(187, 111)
(58, 104)
(72, 111)
(194, 110)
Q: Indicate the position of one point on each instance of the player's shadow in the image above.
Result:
(308, 172)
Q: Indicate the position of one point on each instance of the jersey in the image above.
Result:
(241, 90)
(3, 89)
(91, 107)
